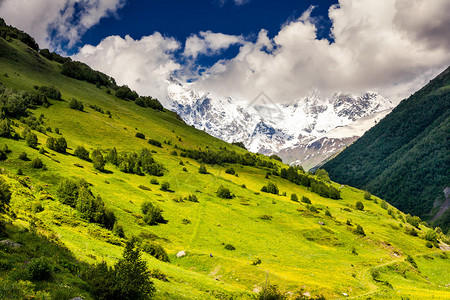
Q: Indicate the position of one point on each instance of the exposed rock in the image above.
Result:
(10, 244)
(181, 254)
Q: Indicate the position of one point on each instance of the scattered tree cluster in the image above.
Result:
(77, 194)
(135, 163)
(149, 102)
(76, 104)
(271, 188)
(152, 214)
(57, 144)
(10, 32)
(300, 178)
(224, 193)
(81, 71)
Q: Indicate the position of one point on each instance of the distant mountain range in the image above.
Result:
(306, 131)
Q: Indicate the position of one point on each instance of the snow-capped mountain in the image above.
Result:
(306, 131)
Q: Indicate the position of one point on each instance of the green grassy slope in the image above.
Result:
(297, 253)
(405, 158)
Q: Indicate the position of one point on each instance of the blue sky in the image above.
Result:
(238, 48)
(180, 19)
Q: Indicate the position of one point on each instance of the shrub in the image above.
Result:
(413, 220)
(129, 279)
(97, 161)
(93, 209)
(174, 153)
(276, 157)
(165, 186)
(256, 262)
(411, 231)
(202, 169)
(230, 171)
(327, 213)
(154, 143)
(224, 193)
(270, 188)
(76, 104)
(5, 194)
(67, 192)
(32, 140)
(37, 163)
(50, 92)
(359, 205)
(229, 247)
(266, 217)
(192, 198)
(40, 269)
(294, 197)
(359, 230)
(140, 135)
(367, 195)
(411, 260)
(153, 214)
(36, 207)
(306, 200)
(154, 181)
(431, 235)
(429, 244)
(82, 153)
(5, 129)
(42, 150)
(23, 156)
(384, 204)
(58, 145)
(118, 231)
(270, 292)
(155, 250)
(313, 209)
(186, 221)
(157, 274)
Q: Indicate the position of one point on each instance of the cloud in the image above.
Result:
(209, 43)
(52, 22)
(144, 65)
(377, 46)
(237, 2)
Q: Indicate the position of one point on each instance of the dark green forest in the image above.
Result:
(405, 159)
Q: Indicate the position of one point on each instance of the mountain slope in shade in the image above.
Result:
(405, 158)
(291, 131)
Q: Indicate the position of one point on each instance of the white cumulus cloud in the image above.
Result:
(51, 22)
(209, 43)
(144, 65)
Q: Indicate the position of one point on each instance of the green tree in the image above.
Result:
(202, 169)
(322, 174)
(294, 197)
(367, 195)
(359, 230)
(224, 193)
(82, 153)
(67, 192)
(32, 140)
(359, 205)
(98, 162)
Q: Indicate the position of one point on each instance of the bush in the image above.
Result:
(82, 153)
(429, 244)
(431, 235)
(153, 214)
(129, 279)
(294, 197)
(40, 269)
(155, 250)
(23, 156)
(67, 192)
(192, 198)
(384, 204)
(5, 194)
(306, 200)
(411, 231)
(36, 207)
(76, 104)
(266, 217)
(359, 205)
(230, 171)
(140, 135)
(229, 247)
(58, 145)
(327, 213)
(313, 209)
(359, 230)
(202, 169)
(154, 181)
(224, 193)
(367, 195)
(155, 143)
(50, 92)
(97, 160)
(270, 188)
(165, 186)
(411, 260)
(32, 140)
(118, 231)
(270, 292)
(37, 163)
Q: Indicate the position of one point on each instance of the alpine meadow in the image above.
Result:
(105, 194)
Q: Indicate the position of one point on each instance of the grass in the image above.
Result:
(297, 253)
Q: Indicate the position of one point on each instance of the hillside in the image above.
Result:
(405, 158)
(328, 239)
